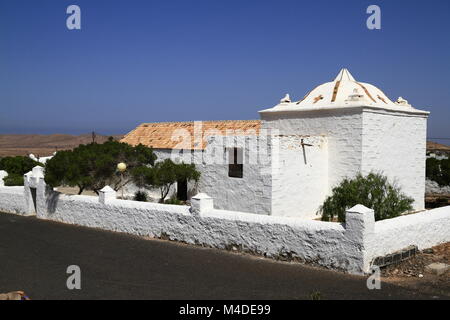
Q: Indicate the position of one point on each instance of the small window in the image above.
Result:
(235, 166)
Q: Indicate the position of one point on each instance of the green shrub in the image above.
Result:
(373, 191)
(315, 295)
(140, 196)
(174, 200)
(13, 180)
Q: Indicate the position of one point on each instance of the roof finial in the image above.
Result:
(286, 99)
(344, 75)
(402, 102)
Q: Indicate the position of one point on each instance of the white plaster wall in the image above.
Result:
(425, 230)
(343, 128)
(252, 193)
(395, 144)
(364, 139)
(300, 176)
(12, 200)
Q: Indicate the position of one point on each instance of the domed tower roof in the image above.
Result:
(343, 91)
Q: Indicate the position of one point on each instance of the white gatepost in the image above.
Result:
(359, 229)
(3, 174)
(106, 195)
(201, 203)
(35, 192)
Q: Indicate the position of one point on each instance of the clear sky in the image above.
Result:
(142, 61)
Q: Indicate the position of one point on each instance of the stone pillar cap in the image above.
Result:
(107, 189)
(38, 172)
(359, 208)
(201, 196)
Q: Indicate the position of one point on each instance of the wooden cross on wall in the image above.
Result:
(303, 147)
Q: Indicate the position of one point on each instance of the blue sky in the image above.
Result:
(143, 61)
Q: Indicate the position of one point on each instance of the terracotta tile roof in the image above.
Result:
(168, 135)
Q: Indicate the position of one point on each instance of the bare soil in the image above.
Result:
(44, 145)
(75, 190)
(411, 273)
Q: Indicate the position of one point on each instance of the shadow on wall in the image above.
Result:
(52, 198)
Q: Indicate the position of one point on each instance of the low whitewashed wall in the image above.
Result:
(351, 247)
(12, 199)
(424, 230)
(270, 236)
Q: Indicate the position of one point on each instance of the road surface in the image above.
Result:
(35, 254)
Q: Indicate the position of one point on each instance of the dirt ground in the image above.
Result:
(44, 145)
(411, 273)
(74, 190)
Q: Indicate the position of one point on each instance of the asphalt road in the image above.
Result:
(35, 254)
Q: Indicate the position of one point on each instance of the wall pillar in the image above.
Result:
(359, 230)
(201, 203)
(35, 192)
(3, 174)
(106, 195)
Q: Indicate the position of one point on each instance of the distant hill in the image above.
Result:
(44, 145)
(433, 146)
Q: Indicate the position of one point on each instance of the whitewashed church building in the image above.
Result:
(286, 163)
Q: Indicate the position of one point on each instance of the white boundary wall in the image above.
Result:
(351, 247)
(12, 200)
(424, 230)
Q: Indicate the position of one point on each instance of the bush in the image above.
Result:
(140, 196)
(373, 191)
(174, 200)
(13, 180)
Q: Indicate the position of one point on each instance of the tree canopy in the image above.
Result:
(94, 166)
(16, 167)
(164, 175)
